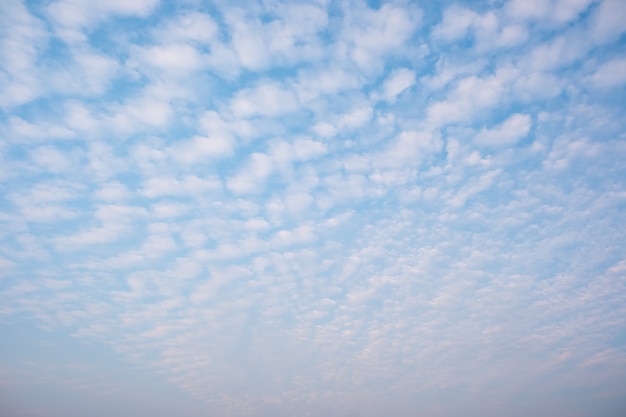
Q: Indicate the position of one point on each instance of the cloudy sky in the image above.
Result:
(319, 209)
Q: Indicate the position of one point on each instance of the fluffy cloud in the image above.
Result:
(610, 74)
(400, 80)
(507, 133)
(267, 99)
(374, 34)
(23, 38)
(469, 98)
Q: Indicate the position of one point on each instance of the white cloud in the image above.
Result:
(213, 124)
(568, 10)
(508, 133)
(169, 210)
(377, 33)
(23, 38)
(280, 158)
(81, 119)
(90, 73)
(46, 213)
(475, 186)
(456, 23)
(267, 99)
(189, 185)
(610, 74)
(537, 85)
(223, 61)
(18, 129)
(45, 201)
(103, 163)
(93, 236)
(112, 191)
(303, 215)
(256, 224)
(178, 58)
(251, 177)
(397, 82)
(118, 213)
(51, 159)
(447, 72)
(312, 85)
(147, 110)
(249, 46)
(156, 244)
(528, 9)
(76, 15)
(289, 37)
(470, 96)
(324, 129)
(555, 11)
(188, 26)
(565, 153)
(199, 150)
(607, 21)
(489, 29)
(409, 147)
(559, 52)
(304, 149)
(302, 21)
(509, 36)
(357, 117)
(299, 235)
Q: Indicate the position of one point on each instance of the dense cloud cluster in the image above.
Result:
(322, 208)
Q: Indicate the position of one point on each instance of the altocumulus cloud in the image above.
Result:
(313, 208)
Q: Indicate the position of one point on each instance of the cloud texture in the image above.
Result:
(314, 208)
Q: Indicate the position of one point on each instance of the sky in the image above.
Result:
(325, 208)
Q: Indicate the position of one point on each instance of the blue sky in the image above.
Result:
(324, 208)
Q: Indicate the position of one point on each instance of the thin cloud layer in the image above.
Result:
(312, 208)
